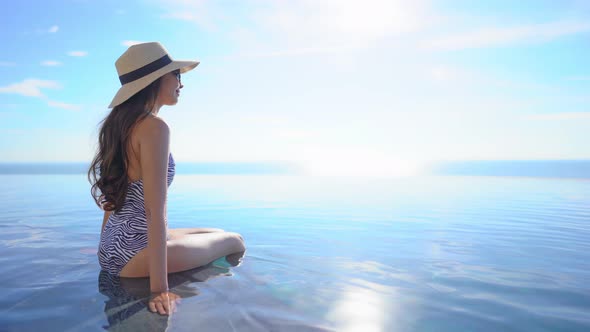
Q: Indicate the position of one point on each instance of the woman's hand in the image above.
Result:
(163, 302)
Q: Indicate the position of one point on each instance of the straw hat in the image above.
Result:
(141, 65)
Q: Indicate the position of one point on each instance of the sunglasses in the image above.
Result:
(177, 74)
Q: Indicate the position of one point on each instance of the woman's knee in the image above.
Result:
(236, 235)
(237, 239)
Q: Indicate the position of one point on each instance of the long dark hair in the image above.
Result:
(108, 170)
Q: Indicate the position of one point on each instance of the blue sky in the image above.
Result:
(378, 87)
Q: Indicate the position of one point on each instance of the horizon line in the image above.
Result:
(558, 168)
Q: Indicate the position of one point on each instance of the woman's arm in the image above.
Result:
(154, 151)
(104, 220)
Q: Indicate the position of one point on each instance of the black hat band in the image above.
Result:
(145, 70)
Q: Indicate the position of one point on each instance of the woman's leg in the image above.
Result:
(176, 233)
(194, 250)
(188, 252)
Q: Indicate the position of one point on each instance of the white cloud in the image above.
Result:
(183, 16)
(33, 87)
(294, 134)
(69, 107)
(78, 53)
(44, 31)
(30, 87)
(446, 73)
(560, 116)
(203, 13)
(7, 64)
(130, 42)
(344, 18)
(498, 36)
(291, 52)
(50, 63)
(295, 27)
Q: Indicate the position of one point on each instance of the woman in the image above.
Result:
(130, 175)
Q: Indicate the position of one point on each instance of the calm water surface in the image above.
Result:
(324, 254)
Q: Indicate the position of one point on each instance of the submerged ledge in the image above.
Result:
(527, 168)
(517, 168)
(261, 168)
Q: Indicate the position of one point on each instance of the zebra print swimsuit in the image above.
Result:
(125, 233)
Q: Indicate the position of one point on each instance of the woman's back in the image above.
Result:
(125, 232)
(142, 129)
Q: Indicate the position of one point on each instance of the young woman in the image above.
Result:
(130, 175)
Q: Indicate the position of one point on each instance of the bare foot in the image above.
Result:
(235, 259)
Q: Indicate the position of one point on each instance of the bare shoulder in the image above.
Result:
(152, 128)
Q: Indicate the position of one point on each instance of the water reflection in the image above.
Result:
(127, 306)
(372, 296)
(359, 309)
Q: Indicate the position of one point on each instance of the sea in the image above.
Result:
(454, 250)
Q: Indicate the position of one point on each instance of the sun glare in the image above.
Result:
(362, 166)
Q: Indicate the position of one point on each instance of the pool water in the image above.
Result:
(430, 253)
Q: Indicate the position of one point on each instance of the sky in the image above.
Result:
(377, 87)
